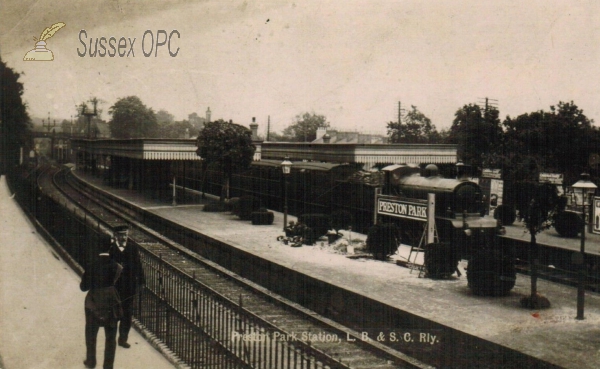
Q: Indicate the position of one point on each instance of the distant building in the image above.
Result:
(344, 137)
(256, 140)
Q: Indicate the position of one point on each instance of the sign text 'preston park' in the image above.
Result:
(402, 209)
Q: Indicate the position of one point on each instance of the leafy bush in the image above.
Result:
(506, 214)
(383, 240)
(340, 219)
(248, 205)
(262, 217)
(567, 223)
(441, 260)
(294, 229)
(318, 223)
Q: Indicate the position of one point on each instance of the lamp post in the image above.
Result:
(286, 167)
(586, 187)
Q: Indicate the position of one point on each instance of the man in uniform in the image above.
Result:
(101, 273)
(132, 277)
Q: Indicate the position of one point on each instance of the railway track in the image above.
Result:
(561, 276)
(326, 339)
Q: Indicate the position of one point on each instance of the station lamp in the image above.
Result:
(587, 188)
(286, 168)
(286, 165)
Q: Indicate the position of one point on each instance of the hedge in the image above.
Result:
(506, 214)
(568, 223)
(262, 217)
(383, 240)
(248, 205)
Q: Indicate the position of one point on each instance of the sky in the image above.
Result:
(352, 61)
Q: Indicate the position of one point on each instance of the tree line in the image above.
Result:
(558, 140)
(14, 119)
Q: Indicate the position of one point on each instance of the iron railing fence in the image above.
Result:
(206, 329)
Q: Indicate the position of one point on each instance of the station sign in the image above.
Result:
(596, 215)
(491, 173)
(553, 178)
(400, 208)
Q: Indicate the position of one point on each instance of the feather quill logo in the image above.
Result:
(40, 53)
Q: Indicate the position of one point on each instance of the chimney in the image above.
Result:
(254, 129)
(326, 138)
(321, 132)
(208, 115)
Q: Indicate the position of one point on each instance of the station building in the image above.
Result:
(152, 166)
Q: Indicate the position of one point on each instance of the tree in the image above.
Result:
(163, 117)
(227, 146)
(304, 129)
(478, 133)
(278, 137)
(196, 121)
(66, 127)
(560, 140)
(416, 128)
(570, 156)
(14, 119)
(543, 204)
(169, 128)
(132, 119)
(179, 129)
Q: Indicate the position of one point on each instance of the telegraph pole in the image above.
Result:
(268, 127)
(400, 112)
(488, 103)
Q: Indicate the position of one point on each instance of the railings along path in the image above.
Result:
(208, 316)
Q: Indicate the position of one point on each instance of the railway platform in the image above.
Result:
(550, 237)
(41, 306)
(552, 336)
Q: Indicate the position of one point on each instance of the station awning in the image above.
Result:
(144, 149)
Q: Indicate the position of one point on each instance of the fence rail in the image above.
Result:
(205, 328)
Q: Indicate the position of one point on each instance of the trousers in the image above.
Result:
(91, 335)
(125, 321)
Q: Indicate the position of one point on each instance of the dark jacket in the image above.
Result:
(133, 274)
(101, 273)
